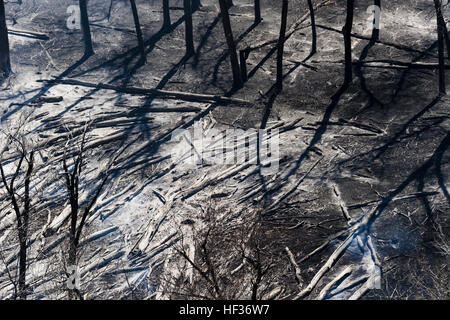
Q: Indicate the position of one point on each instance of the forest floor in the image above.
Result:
(363, 172)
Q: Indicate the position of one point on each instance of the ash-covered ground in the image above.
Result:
(358, 207)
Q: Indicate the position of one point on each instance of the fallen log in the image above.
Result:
(397, 64)
(166, 110)
(152, 92)
(298, 273)
(362, 290)
(410, 196)
(324, 292)
(26, 33)
(391, 64)
(46, 99)
(325, 268)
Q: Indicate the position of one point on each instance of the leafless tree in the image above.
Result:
(78, 215)
(313, 27)
(5, 64)
(281, 39)
(237, 77)
(440, 31)
(19, 196)
(138, 30)
(189, 37)
(88, 48)
(347, 31)
(166, 15)
(257, 11)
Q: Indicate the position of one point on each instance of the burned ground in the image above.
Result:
(363, 169)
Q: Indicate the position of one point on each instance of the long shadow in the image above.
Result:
(394, 139)
(128, 72)
(42, 91)
(359, 73)
(273, 93)
(153, 146)
(408, 69)
(126, 76)
(204, 39)
(262, 62)
(226, 54)
(271, 52)
(440, 176)
(132, 53)
(426, 204)
(320, 130)
(416, 175)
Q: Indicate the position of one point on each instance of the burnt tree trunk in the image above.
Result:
(73, 198)
(166, 15)
(22, 216)
(440, 31)
(313, 28)
(196, 5)
(189, 37)
(237, 78)
(441, 21)
(137, 25)
(281, 39)
(88, 48)
(257, 11)
(347, 31)
(23, 231)
(5, 64)
(243, 55)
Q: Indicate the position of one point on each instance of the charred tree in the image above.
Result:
(243, 55)
(445, 31)
(22, 214)
(196, 5)
(78, 215)
(446, 36)
(440, 32)
(347, 31)
(237, 77)
(5, 64)
(166, 15)
(138, 30)
(189, 37)
(257, 11)
(281, 39)
(88, 48)
(313, 28)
